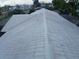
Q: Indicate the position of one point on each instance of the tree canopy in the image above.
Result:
(62, 5)
(59, 4)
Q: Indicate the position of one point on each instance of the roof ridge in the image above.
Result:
(47, 56)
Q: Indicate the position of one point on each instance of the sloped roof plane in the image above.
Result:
(14, 22)
(45, 36)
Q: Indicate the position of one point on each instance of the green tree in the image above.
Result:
(71, 7)
(59, 4)
(36, 3)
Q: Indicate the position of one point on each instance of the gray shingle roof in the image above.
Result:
(46, 35)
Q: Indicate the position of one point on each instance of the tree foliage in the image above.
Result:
(59, 4)
(62, 5)
(71, 7)
(36, 3)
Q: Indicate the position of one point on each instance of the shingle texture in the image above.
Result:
(44, 35)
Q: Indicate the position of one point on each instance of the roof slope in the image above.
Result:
(15, 21)
(46, 35)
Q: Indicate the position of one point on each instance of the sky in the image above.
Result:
(14, 2)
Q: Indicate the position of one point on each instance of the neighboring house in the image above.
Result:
(24, 7)
(12, 8)
(46, 4)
